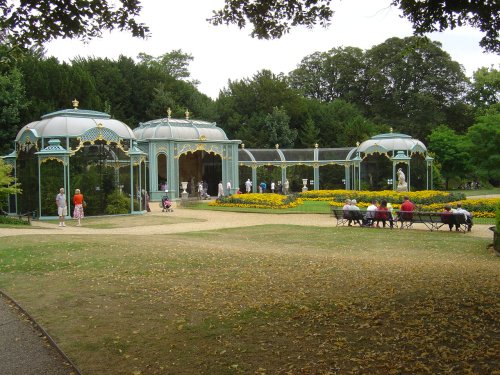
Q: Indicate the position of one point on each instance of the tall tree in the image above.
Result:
(308, 134)
(484, 137)
(451, 152)
(341, 124)
(244, 105)
(12, 103)
(174, 63)
(485, 89)
(410, 84)
(277, 129)
(336, 74)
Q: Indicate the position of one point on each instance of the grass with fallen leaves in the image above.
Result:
(263, 300)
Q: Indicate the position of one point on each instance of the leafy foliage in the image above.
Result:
(439, 15)
(29, 23)
(485, 90)
(117, 204)
(484, 137)
(273, 19)
(451, 151)
(12, 103)
(276, 127)
(8, 183)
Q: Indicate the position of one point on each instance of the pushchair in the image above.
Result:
(166, 204)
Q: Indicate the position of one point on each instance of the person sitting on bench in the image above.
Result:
(447, 216)
(370, 214)
(468, 216)
(355, 214)
(383, 214)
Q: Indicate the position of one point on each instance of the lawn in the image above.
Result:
(262, 300)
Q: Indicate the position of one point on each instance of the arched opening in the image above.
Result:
(376, 172)
(161, 161)
(200, 166)
(98, 170)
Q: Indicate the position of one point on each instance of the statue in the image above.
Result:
(402, 185)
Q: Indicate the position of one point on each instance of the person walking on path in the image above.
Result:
(78, 211)
(61, 207)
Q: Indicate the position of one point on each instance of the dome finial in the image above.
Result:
(187, 114)
(357, 144)
(169, 112)
(316, 145)
(390, 129)
(75, 103)
(277, 146)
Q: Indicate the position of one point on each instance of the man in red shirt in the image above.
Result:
(407, 206)
(406, 211)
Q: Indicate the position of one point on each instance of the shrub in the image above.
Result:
(117, 204)
(10, 220)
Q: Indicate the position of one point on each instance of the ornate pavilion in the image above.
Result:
(116, 167)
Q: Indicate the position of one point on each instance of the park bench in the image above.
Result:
(27, 216)
(432, 220)
(343, 217)
(406, 219)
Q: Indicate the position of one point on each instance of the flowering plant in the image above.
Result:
(274, 201)
(417, 197)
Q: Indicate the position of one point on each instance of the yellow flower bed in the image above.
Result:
(419, 197)
(274, 201)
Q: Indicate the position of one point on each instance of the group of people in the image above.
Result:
(273, 187)
(220, 189)
(459, 210)
(62, 207)
(383, 212)
(375, 213)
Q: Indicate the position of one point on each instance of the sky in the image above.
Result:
(223, 53)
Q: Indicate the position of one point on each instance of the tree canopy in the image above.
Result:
(34, 22)
(439, 15)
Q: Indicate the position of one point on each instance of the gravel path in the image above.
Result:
(211, 220)
(23, 349)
